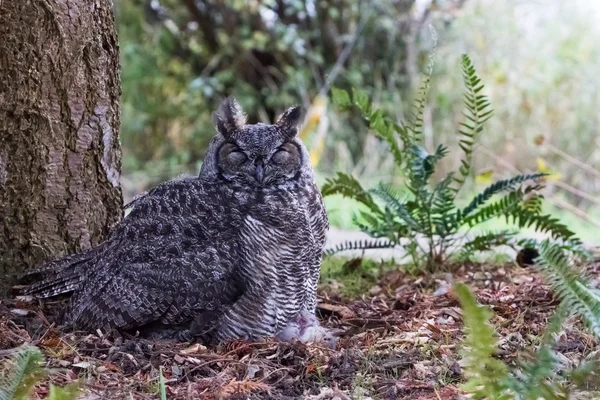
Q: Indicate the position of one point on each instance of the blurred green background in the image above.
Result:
(540, 61)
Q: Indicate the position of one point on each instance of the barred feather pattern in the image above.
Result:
(214, 256)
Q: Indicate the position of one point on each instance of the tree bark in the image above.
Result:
(60, 156)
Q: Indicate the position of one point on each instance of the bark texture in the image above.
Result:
(60, 157)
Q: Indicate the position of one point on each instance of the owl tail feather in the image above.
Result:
(58, 276)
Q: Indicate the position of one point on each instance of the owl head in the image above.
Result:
(259, 155)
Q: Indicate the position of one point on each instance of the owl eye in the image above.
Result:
(280, 156)
(237, 157)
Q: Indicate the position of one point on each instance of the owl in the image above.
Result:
(234, 252)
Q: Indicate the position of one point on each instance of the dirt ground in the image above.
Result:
(399, 340)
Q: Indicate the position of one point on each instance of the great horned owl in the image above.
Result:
(232, 253)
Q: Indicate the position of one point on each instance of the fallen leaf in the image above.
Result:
(193, 349)
(83, 365)
(342, 311)
(241, 387)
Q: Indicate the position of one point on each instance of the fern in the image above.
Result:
(573, 246)
(359, 245)
(477, 112)
(399, 207)
(67, 392)
(429, 210)
(524, 218)
(387, 130)
(487, 376)
(495, 188)
(22, 369)
(504, 206)
(416, 126)
(375, 120)
(543, 377)
(570, 285)
(487, 241)
(162, 384)
(537, 378)
(347, 186)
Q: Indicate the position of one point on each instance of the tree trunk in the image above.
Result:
(60, 157)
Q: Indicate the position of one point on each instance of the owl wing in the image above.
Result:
(161, 263)
(171, 288)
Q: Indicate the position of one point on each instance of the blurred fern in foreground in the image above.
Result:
(545, 376)
(21, 369)
(426, 219)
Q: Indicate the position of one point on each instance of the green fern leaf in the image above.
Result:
(68, 392)
(361, 100)
(573, 246)
(387, 131)
(487, 241)
(359, 245)
(486, 375)
(504, 206)
(416, 125)
(537, 378)
(397, 206)
(493, 189)
(477, 112)
(341, 98)
(347, 186)
(570, 285)
(523, 218)
(21, 371)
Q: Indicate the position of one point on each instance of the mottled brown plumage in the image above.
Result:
(232, 253)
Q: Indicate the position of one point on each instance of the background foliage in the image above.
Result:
(539, 62)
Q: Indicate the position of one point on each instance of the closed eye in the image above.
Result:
(237, 156)
(280, 156)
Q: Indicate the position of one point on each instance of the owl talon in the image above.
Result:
(306, 329)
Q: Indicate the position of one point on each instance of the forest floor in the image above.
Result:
(400, 338)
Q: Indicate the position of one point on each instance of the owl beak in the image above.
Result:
(259, 173)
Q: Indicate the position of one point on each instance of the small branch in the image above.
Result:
(573, 160)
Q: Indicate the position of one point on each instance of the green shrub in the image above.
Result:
(426, 213)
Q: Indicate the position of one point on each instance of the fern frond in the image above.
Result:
(399, 208)
(486, 375)
(67, 392)
(416, 124)
(388, 131)
(521, 217)
(442, 208)
(487, 241)
(535, 379)
(347, 186)
(493, 189)
(504, 206)
(385, 225)
(477, 112)
(570, 285)
(23, 368)
(359, 245)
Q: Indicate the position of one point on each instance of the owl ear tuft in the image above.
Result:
(290, 120)
(229, 117)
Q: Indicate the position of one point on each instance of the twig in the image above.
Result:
(573, 160)
(335, 70)
(558, 203)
